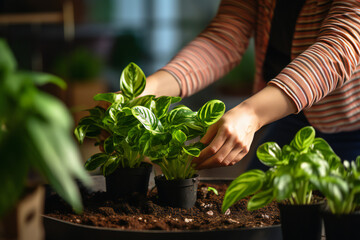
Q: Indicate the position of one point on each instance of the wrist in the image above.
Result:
(246, 109)
(161, 83)
(269, 105)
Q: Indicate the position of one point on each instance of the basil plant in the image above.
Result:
(165, 136)
(292, 173)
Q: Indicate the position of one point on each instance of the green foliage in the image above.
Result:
(132, 81)
(167, 135)
(34, 135)
(214, 190)
(292, 174)
(342, 187)
(145, 126)
(118, 121)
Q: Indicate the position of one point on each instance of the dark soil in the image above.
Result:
(147, 214)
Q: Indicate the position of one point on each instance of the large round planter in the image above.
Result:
(344, 226)
(58, 230)
(124, 182)
(179, 193)
(301, 221)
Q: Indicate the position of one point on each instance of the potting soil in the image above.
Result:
(136, 213)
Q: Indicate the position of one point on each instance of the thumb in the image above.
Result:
(210, 134)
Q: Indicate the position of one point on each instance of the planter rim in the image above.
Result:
(47, 218)
(274, 230)
(162, 178)
(142, 165)
(327, 212)
(302, 205)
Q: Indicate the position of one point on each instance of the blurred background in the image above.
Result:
(89, 42)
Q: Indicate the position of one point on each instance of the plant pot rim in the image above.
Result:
(326, 212)
(48, 219)
(162, 178)
(301, 205)
(142, 165)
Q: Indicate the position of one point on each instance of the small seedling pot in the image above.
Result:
(126, 182)
(301, 221)
(343, 226)
(180, 193)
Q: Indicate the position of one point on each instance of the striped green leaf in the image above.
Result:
(261, 199)
(180, 115)
(192, 151)
(132, 81)
(179, 136)
(96, 161)
(211, 112)
(246, 184)
(303, 139)
(109, 97)
(110, 165)
(146, 101)
(269, 153)
(147, 118)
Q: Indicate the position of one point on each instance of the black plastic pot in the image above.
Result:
(344, 226)
(301, 221)
(179, 193)
(126, 182)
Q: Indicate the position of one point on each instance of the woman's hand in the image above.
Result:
(229, 139)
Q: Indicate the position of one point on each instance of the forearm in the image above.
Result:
(218, 49)
(161, 83)
(266, 106)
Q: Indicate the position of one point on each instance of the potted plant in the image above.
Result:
(167, 138)
(342, 191)
(35, 140)
(120, 162)
(288, 181)
(144, 126)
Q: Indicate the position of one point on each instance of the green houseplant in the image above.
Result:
(168, 138)
(342, 191)
(34, 137)
(290, 178)
(145, 126)
(119, 158)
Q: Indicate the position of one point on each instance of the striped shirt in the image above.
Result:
(323, 78)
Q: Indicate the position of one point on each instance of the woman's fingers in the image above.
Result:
(228, 140)
(216, 140)
(229, 154)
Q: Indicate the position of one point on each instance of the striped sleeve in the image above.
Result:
(329, 62)
(217, 49)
